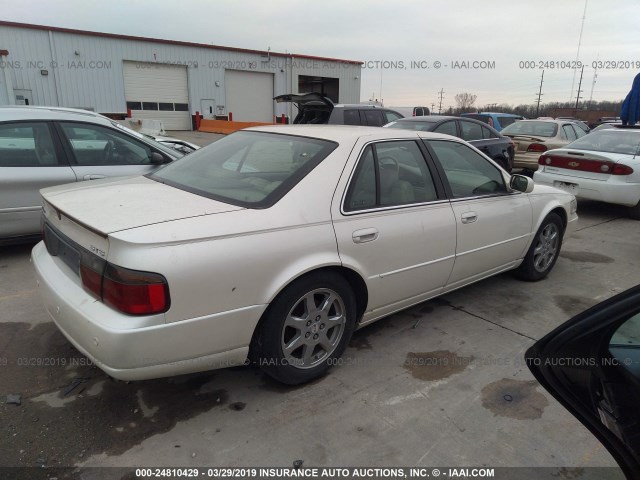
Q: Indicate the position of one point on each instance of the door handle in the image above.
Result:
(364, 235)
(93, 177)
(469, 217)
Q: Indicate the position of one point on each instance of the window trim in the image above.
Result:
(435, 176)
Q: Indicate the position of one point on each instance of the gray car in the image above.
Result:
(45, 146)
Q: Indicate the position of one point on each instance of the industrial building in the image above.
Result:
(120, 75)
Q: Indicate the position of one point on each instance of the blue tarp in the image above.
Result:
(630, 112)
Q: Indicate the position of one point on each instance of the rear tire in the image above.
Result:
(634, 212)
(306, 328)
(544, 250)
(504, 163)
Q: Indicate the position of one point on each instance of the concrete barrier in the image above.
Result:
(224, 126)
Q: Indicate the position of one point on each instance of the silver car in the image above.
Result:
(45, 146)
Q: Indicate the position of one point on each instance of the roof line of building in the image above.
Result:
(172, 42)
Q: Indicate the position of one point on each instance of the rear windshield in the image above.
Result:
(534, 128)
(250, 169)
(613, 141)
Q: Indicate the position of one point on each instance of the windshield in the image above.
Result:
(534, 128)
(613, 141)
(251, 169)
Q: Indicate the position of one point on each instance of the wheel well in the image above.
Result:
(356, 282)
(563, 216)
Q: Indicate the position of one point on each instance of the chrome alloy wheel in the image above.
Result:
(546, 248)
(313, 328)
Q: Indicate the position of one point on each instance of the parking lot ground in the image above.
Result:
(440, 384)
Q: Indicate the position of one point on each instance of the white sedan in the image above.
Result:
(274, 243)
(603, 166)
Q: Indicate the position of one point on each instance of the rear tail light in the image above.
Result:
(620, 169)
(537, 147)
(129, 291)
(585, 165)
(91, 271)
(133, 292)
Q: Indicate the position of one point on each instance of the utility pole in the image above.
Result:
(433, 105)
(593, 84)
(441, 94)
(578, 94)
(539, 94)
(584, 16)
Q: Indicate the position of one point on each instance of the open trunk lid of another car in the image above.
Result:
(312, 107)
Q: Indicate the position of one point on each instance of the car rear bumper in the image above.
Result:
(139, 352)
(609, 191)
(526, 160)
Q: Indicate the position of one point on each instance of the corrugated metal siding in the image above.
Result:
(93, 77)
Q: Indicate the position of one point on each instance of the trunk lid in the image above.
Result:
(581, 164)
(111, 205)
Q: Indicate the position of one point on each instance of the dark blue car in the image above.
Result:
(485, 138)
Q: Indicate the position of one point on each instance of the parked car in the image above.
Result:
(483, 137)
(602, 120)
(181, 146)
(275, 243)
(590, 364)
(604, 166)
(317, 109)
(534, 137)
(606, 125)
(495, 120)
(40, 147)
(577, 122)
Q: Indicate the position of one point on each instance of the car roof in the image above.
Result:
(544, 120)
(493, 113)
(429, 118)
(345, 133)
(20, 112)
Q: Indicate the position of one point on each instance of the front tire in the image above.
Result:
(306, 328)
(544, 250)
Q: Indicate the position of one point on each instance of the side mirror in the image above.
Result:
(521, 183)
(158, 159)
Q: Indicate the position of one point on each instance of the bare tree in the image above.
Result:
(465, 101)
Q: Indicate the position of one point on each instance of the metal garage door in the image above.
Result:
(158, 91)
(249, 95)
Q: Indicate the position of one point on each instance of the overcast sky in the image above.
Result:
(505, 32)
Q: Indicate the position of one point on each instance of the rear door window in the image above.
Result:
(27, 144)
(471, 131)
(447, 127)
(374, 118)
(569, 132)
(352, 117)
